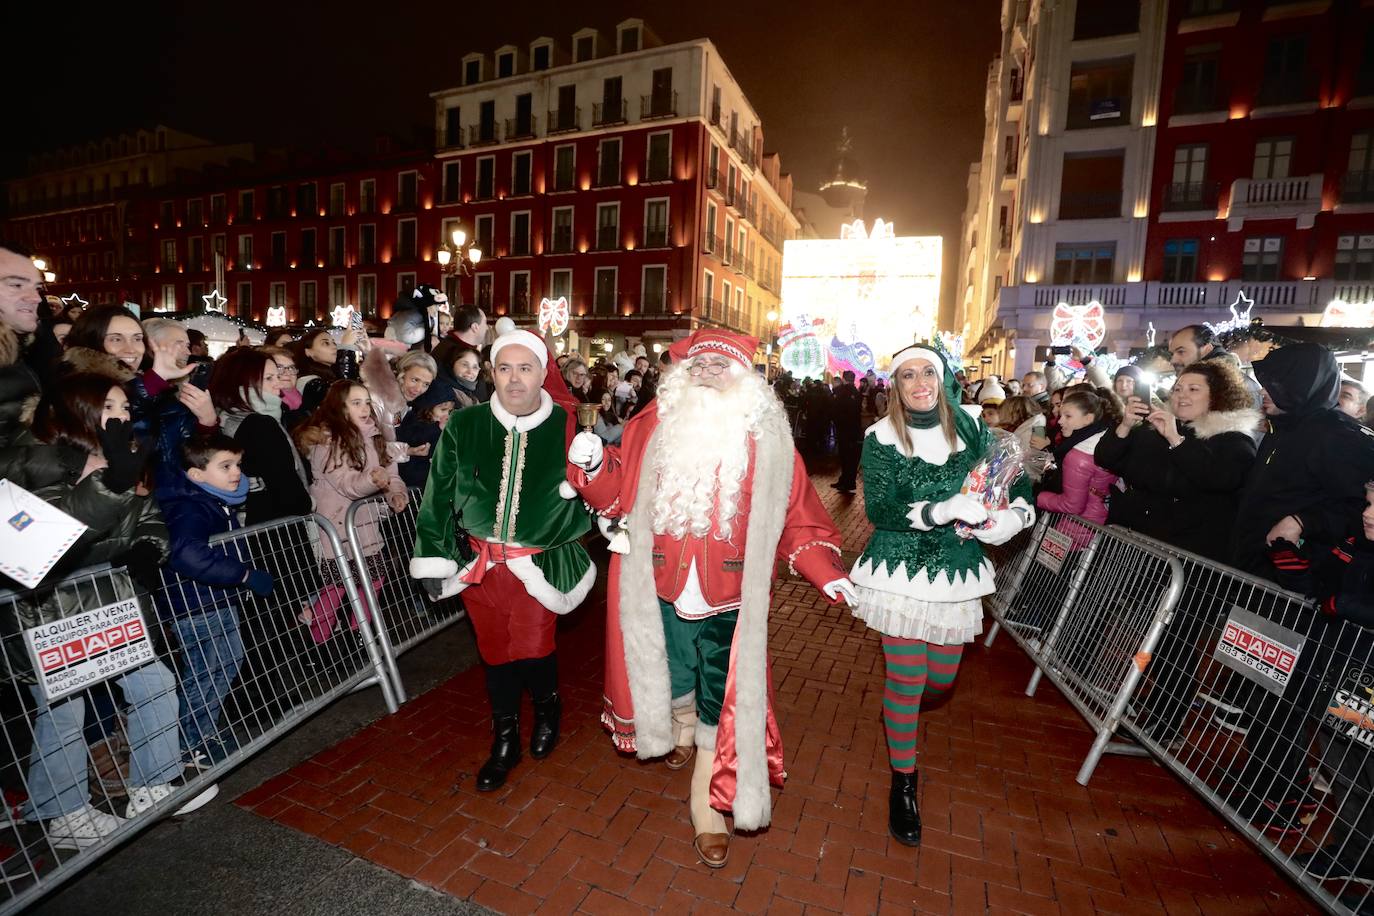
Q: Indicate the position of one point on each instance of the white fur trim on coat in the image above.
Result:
(432, 568)
(529, 421)
(1216, 422)
(538, 587)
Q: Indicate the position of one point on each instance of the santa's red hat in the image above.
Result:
(738, 347)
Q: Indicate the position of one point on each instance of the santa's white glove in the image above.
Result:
(841, 588)
(1006, 524)
(586, 452)
(959, 508)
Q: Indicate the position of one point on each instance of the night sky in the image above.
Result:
(906, 78)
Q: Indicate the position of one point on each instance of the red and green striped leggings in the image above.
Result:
(915, 669)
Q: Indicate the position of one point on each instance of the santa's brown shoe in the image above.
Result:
(713, 849)
(679, 757)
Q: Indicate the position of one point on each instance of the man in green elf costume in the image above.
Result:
(494, 490)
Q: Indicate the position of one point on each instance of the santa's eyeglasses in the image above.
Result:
(710, 367)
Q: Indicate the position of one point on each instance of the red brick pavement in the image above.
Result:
(1006, 827)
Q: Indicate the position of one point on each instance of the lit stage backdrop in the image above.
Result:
(850, 303)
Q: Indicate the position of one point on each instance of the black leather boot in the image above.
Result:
(544, 735)
(505, 753)
(903, 814)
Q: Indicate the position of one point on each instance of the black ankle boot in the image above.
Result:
(903, 814)
(505, 753)
(544, 735)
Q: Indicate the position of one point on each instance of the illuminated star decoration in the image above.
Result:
(74, 299)
(214, 302)
(553, 316)
(1239, 318)
(276, 316)
(340, 315)
(1150, 333)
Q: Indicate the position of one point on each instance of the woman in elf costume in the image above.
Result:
(919, 583)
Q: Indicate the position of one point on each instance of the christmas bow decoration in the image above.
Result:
(553, 316)
(1078, 324)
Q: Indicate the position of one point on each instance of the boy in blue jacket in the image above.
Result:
(204, 606)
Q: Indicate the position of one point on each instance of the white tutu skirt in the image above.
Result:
(944, 623)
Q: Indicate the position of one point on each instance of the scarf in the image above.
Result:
(923, 419)
(1061, 449)
(234, 497)
(264, 403)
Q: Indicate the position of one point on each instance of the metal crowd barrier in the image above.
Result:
(382, 540)
(117, 712)
(1260, 703)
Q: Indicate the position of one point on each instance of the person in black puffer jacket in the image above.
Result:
(1182, 469)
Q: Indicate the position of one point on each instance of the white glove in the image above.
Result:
(961, 508)
(586, 452)
(1006, 524)
(841, 588)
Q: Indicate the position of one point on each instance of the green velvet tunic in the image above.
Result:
(502, 486)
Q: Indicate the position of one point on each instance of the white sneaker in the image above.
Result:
(83, 827)
(141, 798)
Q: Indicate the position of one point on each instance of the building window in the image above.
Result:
(486, 233)
(336, 199)
(276, 295)
(520, 233)
(607, 226)
(660, 157)
(562, 238)
(1355, 258)
(166, 217)
(338, 294)
(308, 303)
(367, 195)
(1197, 88)
(1273, 156)
(612, 102)
(1101, 18)
(367, 294)
(243, 301)
(711, 241)
(708, 293)
(195, 213)
(567, 117)
(245, 261)
(453, 126)
(522, 164)
(367, 243)
(169, 297)
(169, 255)
(452, 178)
(486, 122)
(1189, 188)
(486, 178)
(584, 48)
(1285, 78)
(196, 254)
(629, 39)
(1358, 185)
(194, 295)
(485, 285)
(218, 208)
(1180, 261)
(1364, 76)
(406, 232)
(505, 65)
(472, 72)
(520, 292)
(656, 223)
(605, 290)
(560, 284)
(1262, 259)
(1091, 185)
(541, 58)
(407, 190)
(307, 199)
(336, 246)
(405, 284)
(308, 258)
(1086, 262)
(564, 167)
(1100, 93)
(608, 163)
(654, 295)
(278, 250)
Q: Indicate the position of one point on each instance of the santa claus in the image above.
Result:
(714, 497)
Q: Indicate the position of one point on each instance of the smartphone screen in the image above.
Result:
(1142, 390)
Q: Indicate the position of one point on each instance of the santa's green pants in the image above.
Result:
(699, 658)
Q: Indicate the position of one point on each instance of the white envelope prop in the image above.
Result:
(33, 534)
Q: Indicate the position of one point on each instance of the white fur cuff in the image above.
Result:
(914, 516)
(432, 568)
(1007, 523)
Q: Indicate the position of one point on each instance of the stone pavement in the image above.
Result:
(1006, 827)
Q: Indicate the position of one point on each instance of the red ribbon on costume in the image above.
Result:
(489, 553)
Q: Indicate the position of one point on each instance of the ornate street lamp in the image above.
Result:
(457, 255)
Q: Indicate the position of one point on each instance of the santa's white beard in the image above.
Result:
(703, 453)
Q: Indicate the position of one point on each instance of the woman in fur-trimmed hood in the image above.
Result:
(1182, 468)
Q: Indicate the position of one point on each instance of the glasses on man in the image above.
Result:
(708, 367)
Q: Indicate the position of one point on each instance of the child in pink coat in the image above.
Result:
(1084, 416)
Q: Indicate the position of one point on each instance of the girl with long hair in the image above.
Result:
(920, 583)
(349, 460)
(1081, 487)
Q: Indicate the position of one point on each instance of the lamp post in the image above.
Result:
(457, 256)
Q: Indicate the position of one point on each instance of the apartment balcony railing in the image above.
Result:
(563, 120)
(561, 241)
(728, 256)
(658, 105)
(482, 134)
(1016, 87)
(710, 242)
(1004, 238)
(656, 237)
(1297, 198)
(731, 197)
(715, 115)
(1215, 297)
(710, 309)
(521, 128)
(657, 171)
(604, 113)
(608, 238)
(712, 178)
(1192, 195)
